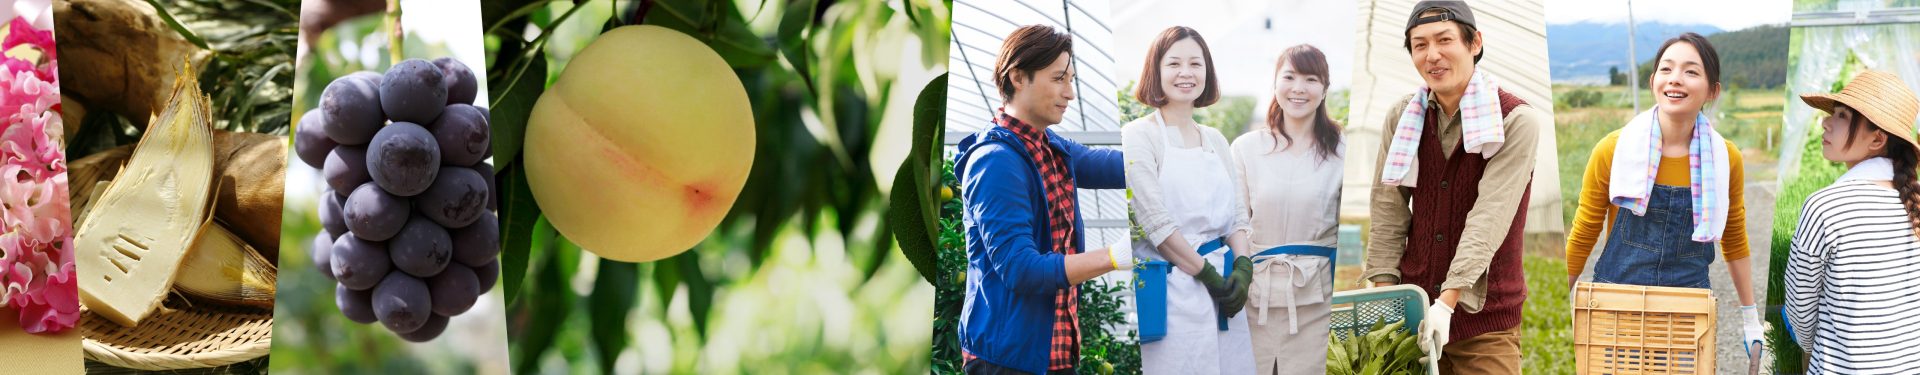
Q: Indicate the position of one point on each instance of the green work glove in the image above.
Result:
(1242, 281)
(1217, 287)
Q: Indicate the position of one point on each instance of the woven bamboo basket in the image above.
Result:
(1629, 329)
(183, 335)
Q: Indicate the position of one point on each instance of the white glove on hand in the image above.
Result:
(1755, 332)
(1121, 255)
(1434, 328)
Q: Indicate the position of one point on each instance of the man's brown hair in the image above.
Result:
(1029, 49)
(1148, 90)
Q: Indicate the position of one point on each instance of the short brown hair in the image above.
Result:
(1148, 90)
(1029, 49)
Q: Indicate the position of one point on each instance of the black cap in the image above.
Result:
(1454, 10)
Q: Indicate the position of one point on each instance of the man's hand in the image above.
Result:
(1120, 254)
(1434, 328)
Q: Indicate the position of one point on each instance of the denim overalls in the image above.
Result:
(1656, 249)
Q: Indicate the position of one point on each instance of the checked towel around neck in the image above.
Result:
(1482, 128)
(1637, 160)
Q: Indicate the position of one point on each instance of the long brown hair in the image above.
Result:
(1148, 91)
(1906, 162)
(1306, 60)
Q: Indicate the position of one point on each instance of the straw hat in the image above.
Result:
(1880, 96)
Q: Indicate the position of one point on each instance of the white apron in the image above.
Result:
(1198, 195)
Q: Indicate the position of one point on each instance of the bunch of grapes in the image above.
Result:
(411, 234)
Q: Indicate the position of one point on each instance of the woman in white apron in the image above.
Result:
(1184, 198)
(1291, 170)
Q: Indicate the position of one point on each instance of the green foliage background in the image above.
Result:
(802, 275)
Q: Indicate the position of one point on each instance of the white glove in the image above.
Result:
(1435, 326)
(1121, 255)
(1755, 332)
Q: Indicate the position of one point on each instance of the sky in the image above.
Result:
(1724, 14)
(1245, 48)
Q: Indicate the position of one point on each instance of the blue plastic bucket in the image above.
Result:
(1150, 299)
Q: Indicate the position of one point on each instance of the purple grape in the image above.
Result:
(456, 198)
(352, 107)
(493, 194)
(479, 243)
(488, 274)
(331, 216)
(404, 159)
(413, 91)
(359, 264)
(357, 305)
(346, 168)
(462, 86)
(374, 215)
(322, 254)
(402, 302)
(434, 326)
(454, 290)
(461, 132)
(484, 112)
(422, 248)
(310, 139)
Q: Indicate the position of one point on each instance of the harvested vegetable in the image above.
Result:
(251, 171)
(222, 268)
(132, 241)
(1382, 349)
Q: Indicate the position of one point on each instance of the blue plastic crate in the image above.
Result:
(1355, 311)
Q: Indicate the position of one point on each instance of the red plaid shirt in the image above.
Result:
(1064, 352)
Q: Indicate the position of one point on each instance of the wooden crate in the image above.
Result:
(1630, 329)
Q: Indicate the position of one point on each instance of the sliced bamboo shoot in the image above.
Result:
(133, 238)
(222, 268)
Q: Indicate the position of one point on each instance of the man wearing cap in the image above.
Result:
(1026, 252)
(1450, 195)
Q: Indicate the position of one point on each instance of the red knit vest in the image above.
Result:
(1447, 188)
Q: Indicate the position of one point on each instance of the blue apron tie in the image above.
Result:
(1215, 245)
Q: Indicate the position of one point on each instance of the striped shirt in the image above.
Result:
(1853, 282)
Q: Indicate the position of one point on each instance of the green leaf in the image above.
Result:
(518, 217)
(614, 293)
(906, 215)
(717, 24)
(540, 318)
(699, 289)
(177, 27)
(513, 105)
(915, 202)
(793, 26)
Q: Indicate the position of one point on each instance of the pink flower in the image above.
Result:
(20, 32)
(36, 230)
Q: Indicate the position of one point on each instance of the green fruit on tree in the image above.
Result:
(641, 146)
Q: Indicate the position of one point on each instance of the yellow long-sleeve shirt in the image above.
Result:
(1596, 213)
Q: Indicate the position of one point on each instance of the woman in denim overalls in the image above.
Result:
(1666, 188)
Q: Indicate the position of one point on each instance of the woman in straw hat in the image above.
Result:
(1855, 262)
